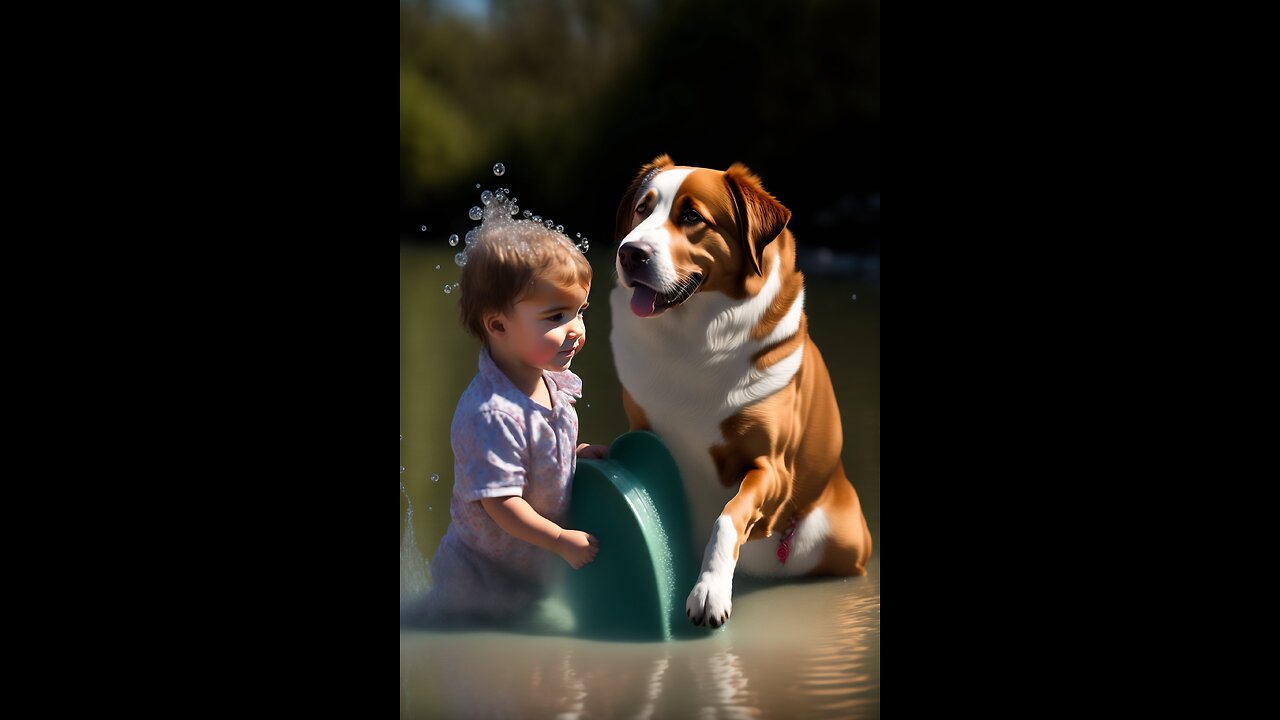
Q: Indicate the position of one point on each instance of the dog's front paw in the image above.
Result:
(711, 601)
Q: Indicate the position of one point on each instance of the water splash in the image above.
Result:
(415, 571)
(500, 217)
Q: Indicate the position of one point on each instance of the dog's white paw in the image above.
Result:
(711, 601)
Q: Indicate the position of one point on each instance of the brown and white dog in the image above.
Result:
(711, 346)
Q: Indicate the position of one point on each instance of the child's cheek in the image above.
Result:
(549, 346)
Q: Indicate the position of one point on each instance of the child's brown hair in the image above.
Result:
(503, 263)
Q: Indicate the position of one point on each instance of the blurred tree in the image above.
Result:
(578, 93)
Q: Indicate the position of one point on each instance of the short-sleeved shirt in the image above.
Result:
(504, 443)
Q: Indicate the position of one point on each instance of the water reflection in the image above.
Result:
(801, 650)
(728, 685)
(842, 675)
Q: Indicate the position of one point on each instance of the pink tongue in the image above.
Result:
(643, 300)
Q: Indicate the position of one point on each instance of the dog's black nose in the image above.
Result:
(632, 257)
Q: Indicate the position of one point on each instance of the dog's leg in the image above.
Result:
(711, 600)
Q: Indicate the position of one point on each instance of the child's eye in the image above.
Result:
(556, 318)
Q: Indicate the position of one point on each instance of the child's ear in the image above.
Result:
(495, 325)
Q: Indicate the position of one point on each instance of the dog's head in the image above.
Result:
(685, 230)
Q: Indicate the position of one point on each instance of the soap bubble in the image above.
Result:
(460, 259)
(447, 289)
(424, 228)
(476, 213)
(453, 240)
(559, 228)
(499, 169)
(486, 197)
(435, 477)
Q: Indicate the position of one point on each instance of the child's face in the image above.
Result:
(545, 329)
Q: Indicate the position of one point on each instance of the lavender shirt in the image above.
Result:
(504, 443)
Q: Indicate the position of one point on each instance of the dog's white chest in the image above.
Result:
(690, 369)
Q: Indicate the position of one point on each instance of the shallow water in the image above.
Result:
(805, 649)
(799, 650)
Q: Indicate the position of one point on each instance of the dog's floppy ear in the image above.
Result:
(761, 218)
(622, 225)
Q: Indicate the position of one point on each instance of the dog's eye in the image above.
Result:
(642, 208)
(691, 217)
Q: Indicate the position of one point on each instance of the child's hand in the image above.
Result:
(593, 452)
(576, 547)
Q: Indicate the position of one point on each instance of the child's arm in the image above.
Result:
(595, 452)
(514, 514)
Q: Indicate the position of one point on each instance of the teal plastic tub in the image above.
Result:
(634, 503)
